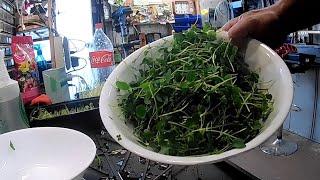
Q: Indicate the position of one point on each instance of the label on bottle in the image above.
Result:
(101, 59)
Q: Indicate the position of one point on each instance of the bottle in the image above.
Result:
(41, 62)
(101, 56)
(12, 113)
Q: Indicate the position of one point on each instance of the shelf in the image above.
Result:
(310, 32)
(5, 46)
(8, 6)
(33, 29)
(149, 23)
(37, 34)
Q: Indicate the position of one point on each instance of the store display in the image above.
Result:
(101, 57)
(26, 72)
(153, 13)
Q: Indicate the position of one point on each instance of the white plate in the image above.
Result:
(260, 58)
(47, 153)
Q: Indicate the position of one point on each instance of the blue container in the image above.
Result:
(184, 22)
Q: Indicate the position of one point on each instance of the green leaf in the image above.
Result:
(269, 96)
(12, 146)
(206, 27)
(161, 124)
(257, 125)
(178, 37)
(238, 143)
(202, 131)
(147, 135)
(184, 86)
(141, 111)
(123, 85)
(165, 150)
(167, 76)
(145, 86)
(191, 76)
(146, 100)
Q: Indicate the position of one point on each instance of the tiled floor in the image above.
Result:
(303, 165)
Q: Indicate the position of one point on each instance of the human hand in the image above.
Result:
(263, 25)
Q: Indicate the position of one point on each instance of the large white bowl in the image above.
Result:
(260, 58)
(47, 153)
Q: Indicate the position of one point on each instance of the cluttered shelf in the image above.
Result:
(152, 23)
(310, 32)
(37, 34)
(39, 23)
(7, 5)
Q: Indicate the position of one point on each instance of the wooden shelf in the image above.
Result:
(37, 34)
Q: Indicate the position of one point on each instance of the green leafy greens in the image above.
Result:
(196, 96)
(12, 146)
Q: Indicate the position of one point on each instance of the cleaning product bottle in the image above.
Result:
(41, 62)
(12, 113)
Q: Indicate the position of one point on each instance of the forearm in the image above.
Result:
(297, 14)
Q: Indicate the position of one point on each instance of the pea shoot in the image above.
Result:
(196, 96)
(12, 146)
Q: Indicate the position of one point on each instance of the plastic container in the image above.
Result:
(184, 22)
(12, 113)
(101, 56)
(41, 62)
(88, 121)
(26, 71)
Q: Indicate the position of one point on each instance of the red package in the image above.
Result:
(26, 72)
(286, 49)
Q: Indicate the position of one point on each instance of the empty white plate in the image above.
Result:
(46, 153)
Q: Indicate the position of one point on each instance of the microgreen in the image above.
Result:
(122, 85)
(12, 146)
(195, 96)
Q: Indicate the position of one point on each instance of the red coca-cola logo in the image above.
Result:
(101, 59)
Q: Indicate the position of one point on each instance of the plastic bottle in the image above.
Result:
(101, 57)
(12, 113)
(41, 62)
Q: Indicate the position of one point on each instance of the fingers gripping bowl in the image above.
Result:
(260, 58)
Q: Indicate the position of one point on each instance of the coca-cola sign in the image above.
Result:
(101, 59)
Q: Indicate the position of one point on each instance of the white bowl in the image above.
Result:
(258, 56)
(46, 153)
